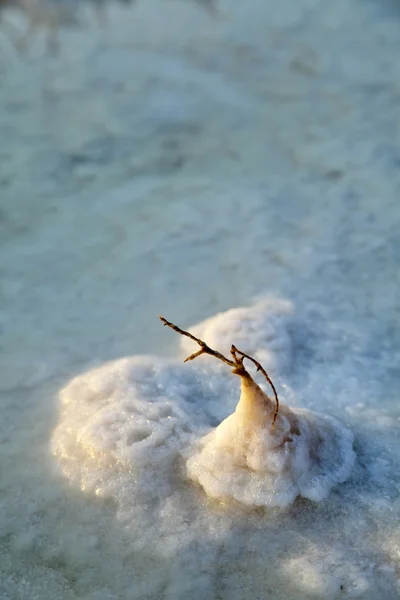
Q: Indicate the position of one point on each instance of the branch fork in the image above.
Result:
(236, 363)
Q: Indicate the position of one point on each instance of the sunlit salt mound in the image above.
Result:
(262, 329)
(134, 430)
(125, 423)
(248, 460)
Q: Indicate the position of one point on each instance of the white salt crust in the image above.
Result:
(271, 468)
(142, 412)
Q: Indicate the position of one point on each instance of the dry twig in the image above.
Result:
(237, 363)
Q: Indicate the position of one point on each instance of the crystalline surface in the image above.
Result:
(264, 468)
(143, 413)
(133, 416)
(168, 445)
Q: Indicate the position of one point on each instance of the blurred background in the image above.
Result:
(183, 157)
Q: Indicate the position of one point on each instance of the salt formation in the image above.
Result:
(126, 422)
(265, 454)
(142, 416)
(150, 439)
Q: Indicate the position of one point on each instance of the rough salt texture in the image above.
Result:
(135, 431)
(261, 467)
(142, 416)
(135, 414)
(170, 162)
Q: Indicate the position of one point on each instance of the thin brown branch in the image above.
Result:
(194, 355)
(237, 359)
(204, 348)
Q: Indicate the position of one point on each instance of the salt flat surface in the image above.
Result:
(177, 164)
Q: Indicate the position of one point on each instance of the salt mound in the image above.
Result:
(132, 417)
(144, 424)
(304, 455)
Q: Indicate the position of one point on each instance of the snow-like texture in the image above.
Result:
(260, 467)
(135, 415)
(137, 432)
(138, 414)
